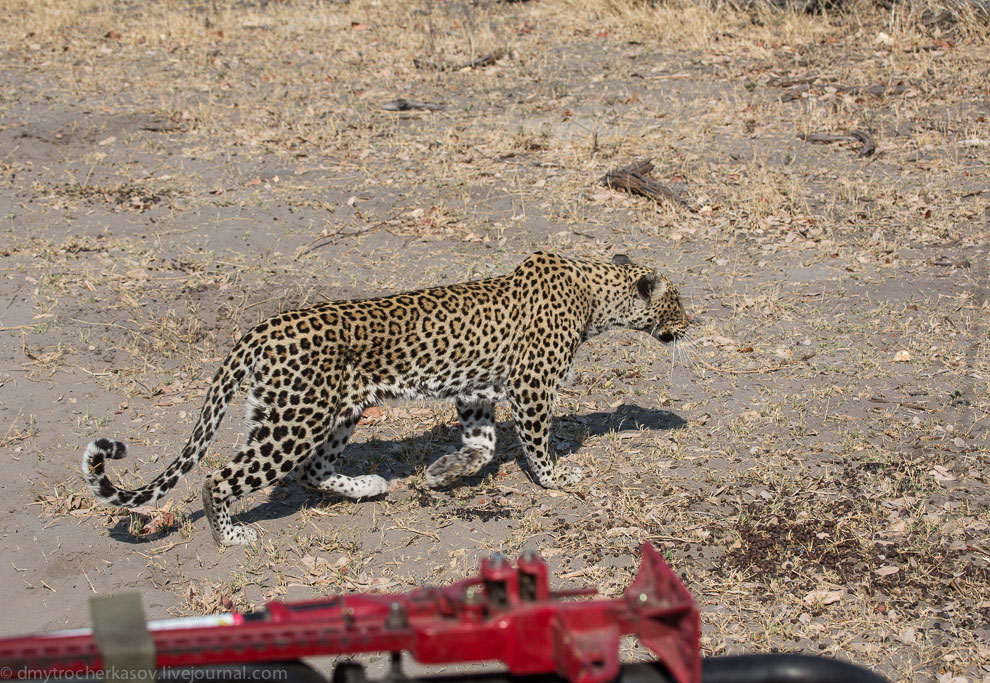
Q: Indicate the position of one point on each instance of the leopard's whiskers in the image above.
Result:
(673, 349)
(688, 347)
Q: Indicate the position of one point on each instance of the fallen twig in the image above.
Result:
(20, 327)
(868, 145)
(945, 262)
(160, 126)
(423, 63)
(635, 179)
(400, 104)
(758, 371)
(327, 240)
(485, 60)
(875, 90)
(902, 404)
(785, 82)
(795, 92)
(403, 527)
(823, 137)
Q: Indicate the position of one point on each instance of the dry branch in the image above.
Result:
(875, 90)
(635, 179)
(787, 81)
(327, 240)
(868, 145)
(795, 92)
(759, 371)
(486, 60)
(160, 125)
(401, 104)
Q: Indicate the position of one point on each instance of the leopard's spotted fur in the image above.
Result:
(312, 372)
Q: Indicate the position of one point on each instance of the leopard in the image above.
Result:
(312, 372)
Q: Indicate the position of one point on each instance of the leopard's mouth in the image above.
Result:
(668, 336)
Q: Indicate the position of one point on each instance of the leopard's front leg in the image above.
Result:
(477, 417)
(532, 396)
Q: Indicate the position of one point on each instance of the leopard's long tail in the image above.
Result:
(234, 369)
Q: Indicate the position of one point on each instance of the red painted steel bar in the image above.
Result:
(507, 613)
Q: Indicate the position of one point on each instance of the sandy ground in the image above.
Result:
(173, 172)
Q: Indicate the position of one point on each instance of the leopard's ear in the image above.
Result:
(646, 284)
(621, 260)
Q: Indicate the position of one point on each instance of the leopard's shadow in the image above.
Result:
(568, 434)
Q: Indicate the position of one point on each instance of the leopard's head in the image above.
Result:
(650, 303)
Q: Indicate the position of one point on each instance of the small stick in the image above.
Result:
(794, 93)
(486, 60)
(868, 145)
(754, 371)
(327, 240)
(902, 404)
(876, 90)
(783, 82)
(821, 137)
(428, 534)
(160, 126)
(401, 104)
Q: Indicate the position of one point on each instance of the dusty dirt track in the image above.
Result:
(173, 172)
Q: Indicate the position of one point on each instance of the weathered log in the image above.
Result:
(635, 179)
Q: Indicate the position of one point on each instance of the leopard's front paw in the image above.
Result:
(235, 535)
(453, 466)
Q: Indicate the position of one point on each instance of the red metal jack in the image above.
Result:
(507, 614)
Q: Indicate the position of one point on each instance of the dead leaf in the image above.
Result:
(824, 597)
(941, 473)
(372, 415)
(907, 636)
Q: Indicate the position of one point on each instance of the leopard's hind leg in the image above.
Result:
(318, 471)
(278, 439)
(477, 417)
